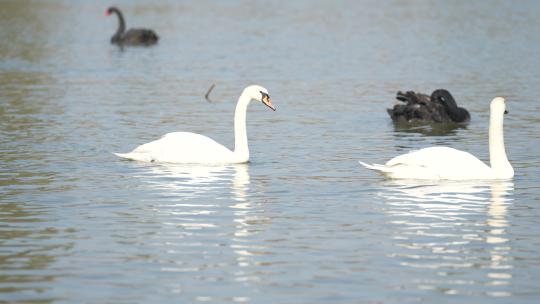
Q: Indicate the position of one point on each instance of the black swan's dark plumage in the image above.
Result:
(418, 107)
(132, 36)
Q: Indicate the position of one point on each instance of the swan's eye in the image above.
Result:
(264, 96)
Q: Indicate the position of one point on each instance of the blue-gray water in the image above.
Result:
(302, 222)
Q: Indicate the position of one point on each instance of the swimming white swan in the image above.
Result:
(452, 164)
(192, 148)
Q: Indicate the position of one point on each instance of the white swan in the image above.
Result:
(192, 148)
(452, 164)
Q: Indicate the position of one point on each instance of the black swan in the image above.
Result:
(439, 107)
(132, 36)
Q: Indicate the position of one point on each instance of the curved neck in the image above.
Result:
(457, 114)
(497, 153)
(121, 23)
(240, 133)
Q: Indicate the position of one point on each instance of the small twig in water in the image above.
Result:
(207, 95)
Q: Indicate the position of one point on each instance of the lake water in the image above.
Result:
(302, 222)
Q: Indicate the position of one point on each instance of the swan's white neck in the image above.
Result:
(497, 153)
(241, 149)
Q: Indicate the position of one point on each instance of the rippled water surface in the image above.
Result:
(302, 222)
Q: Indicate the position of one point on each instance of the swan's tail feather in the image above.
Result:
(135, 156)
(375, 167)
(122, 155)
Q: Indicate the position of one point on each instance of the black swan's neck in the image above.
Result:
(459, 115)
(121, 23)
(456, 113)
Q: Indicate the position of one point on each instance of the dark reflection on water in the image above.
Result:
(302, 222)
(433, 129)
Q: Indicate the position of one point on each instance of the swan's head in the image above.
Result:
(259, 93)
(498, 106)
(111, 10)
(444, 97)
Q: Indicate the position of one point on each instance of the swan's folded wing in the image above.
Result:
(183, 147)
(438, 158)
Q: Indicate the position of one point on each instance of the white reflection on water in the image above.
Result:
(447, 227)
(249, 220)
(208, 212)
(497, 236)
(191, 190)
(187, 179)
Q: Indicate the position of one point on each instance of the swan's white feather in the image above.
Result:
(435, 163)
(182, 147)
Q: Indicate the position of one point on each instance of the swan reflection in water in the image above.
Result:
(457, 230)
(207, 212)
(191, 197)
(206, 190)
(432, 129)
(192, 181)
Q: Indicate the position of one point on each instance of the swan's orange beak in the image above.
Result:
(107, 13)
(266, 100)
